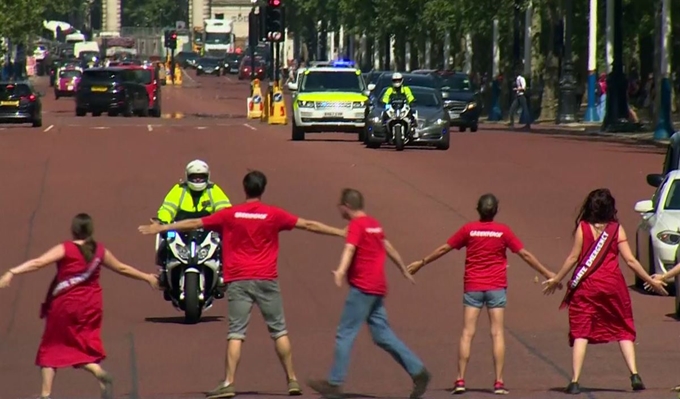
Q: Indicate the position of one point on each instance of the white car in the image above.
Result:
(658, 235)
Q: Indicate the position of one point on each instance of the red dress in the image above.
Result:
(600, 309)
(74, 316)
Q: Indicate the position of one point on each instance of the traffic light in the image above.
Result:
(172, 44)
(275, 21)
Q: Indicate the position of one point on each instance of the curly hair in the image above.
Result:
(598, 207)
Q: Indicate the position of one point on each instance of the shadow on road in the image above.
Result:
(180, 320)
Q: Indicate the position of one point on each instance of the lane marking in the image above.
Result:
(101, 127)
(149, 128)
(251, 127)
(48, 128)
(201, 128)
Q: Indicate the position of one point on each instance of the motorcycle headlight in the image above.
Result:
(376, 119)
(182, 252)
(669, 237)
(305, 104)
(203, 252)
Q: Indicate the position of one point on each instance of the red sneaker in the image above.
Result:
(458, 387)
(499, 388)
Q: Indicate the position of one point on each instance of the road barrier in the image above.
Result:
(277, 112)
(255, 101)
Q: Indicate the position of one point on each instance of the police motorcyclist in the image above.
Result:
(398, 88)
(194, 197)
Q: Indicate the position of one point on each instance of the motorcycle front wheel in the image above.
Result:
(398, 137)
(192, 305)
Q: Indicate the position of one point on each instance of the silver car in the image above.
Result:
(433, 121)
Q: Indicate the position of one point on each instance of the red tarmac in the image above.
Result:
(118, 170)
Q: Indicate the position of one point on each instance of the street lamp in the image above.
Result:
(567, 101)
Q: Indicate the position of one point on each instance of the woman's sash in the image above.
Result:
(59, 287)
(591, 261)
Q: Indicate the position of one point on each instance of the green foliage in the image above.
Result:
(151, 13)
(21, 18)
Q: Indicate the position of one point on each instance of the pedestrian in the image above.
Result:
(520, 101)
(363, 264)
(250, 233)
(485, 282)
(600, 309)
(73, 307)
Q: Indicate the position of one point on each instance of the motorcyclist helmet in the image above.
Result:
(397, 80)
(197, 175)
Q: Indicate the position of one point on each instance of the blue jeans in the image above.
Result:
(360, 308)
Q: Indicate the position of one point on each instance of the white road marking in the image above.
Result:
(48, 128)
(101, 127)
(201, 127)
(251, 127)
(149, 128)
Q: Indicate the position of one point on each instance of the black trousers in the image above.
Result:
(519, 101)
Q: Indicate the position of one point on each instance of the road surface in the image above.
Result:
(118, 170)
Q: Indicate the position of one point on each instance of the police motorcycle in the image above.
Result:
(193, 270)
(399, 123)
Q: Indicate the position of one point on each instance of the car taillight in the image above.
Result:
(30, 98)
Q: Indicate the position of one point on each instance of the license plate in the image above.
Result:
(99, 89)
(333, 114)
(454, 115)
(9, 103)
(69, 88)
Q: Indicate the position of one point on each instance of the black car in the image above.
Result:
(187, 59)
(410, 79)
(671, 162)
(462, 100)
(232, 62)
(210, 66)
(111, 90)
(20, 103)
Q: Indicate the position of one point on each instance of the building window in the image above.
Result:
(219, 16)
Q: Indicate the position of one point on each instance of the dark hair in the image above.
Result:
(352, 199)
(487, 207)
(254, 184)
(82, 228)
(598, 207)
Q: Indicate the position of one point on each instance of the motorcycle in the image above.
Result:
(193, 271)
(399, 123)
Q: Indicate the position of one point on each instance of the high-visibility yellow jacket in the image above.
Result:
(405, 90)
(181, 203)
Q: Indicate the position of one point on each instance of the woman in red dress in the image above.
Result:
(599, 304)
(73, 307)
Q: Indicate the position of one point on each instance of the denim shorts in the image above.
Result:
(491, 299)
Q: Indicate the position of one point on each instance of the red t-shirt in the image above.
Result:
(367, 271)
(485, 260)
(250, 239)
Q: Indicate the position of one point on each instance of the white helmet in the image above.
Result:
(197, 175)
(397, 80)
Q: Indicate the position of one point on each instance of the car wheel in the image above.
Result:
(445, 143)
(461, 128)
(474, 128)
(37, 122)
(80, 112)
(298, 133)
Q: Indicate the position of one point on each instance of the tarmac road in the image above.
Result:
(118, 170)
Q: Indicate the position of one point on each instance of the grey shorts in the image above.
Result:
(266, 295)
(491, 299)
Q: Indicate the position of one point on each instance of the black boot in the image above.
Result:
(573, 388)
(636, 383)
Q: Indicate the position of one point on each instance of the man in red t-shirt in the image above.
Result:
(250, 253)
(363, 261)
(485, 281)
